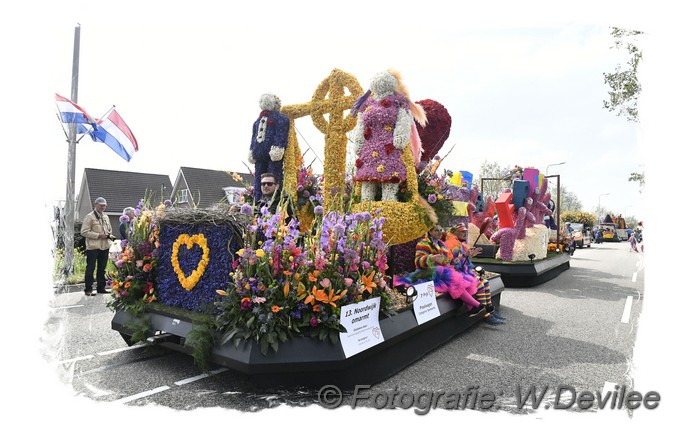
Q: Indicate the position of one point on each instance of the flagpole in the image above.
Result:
(69, 206)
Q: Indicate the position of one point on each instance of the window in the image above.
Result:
(233, 194)
(183, 196)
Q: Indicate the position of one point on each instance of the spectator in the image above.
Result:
(96, 230)
(126, 223)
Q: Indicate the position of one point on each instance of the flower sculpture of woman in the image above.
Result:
(384, 127)
(269, 141)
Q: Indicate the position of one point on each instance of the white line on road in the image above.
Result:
(200, 377)
(66, 306)
(486, 359)
(635, 276)
(625, 317)
(142, 394)
(118, 350)
(75, 359)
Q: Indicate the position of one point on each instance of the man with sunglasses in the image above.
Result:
(272, 198)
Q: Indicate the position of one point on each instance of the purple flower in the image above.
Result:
(247, 210)
(167, 202)
(124, 218)
(432, 198)
(318, 210)
(245, 304)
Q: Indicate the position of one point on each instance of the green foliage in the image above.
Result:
(637, 177)
(201, 339)
(141, 329)
(501, 179)
(79, 264)
(568, 201)
(623, 83)
(585, 218)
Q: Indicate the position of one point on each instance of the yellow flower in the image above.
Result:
(259, 253)
(188, 283)
(381, 168)
(388, 128)
(374, 154)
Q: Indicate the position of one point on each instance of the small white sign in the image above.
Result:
(425, 302)
(361, 321)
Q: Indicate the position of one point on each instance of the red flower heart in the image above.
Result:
(367, 133)
(270, 122)
(386, 103)
(359, 163)
(389, 147)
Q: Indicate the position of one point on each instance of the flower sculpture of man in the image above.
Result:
(384, 129)
(269, 141)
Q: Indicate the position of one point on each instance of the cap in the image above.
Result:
(100, 201)
(459, 227)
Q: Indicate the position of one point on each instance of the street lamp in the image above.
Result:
(553, 164)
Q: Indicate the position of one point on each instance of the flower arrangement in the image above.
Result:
(133, 283)
(440, 193)
(304, 279)
(309, 189)
(196, 254)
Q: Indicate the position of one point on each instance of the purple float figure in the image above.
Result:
(269, 141)
(385, 127)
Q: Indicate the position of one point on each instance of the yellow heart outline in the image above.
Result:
(188, 283)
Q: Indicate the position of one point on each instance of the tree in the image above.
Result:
(496, 186)
(568, 201)
(637, 177)
(624, 84)
(585, 218)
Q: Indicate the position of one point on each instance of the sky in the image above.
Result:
(523, 83)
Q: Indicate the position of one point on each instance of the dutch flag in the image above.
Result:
(69, 112)
(115, 133)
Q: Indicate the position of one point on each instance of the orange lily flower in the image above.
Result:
(368, 282)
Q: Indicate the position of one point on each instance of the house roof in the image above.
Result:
(122, 189)
(206, 185)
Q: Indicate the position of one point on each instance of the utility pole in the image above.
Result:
(69, 206)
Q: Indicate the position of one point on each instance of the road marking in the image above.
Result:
(200, 377)
(75, 359)
(66, 306)
(486, 359)
(142, 394)
(118, 350)
(635, 276)
(625, 317)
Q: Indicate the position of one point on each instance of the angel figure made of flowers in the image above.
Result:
(385, 127)
(269, 141)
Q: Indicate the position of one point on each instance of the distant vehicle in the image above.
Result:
(580, 235)
(611, 234)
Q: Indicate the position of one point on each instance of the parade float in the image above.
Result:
(526, 255)
(305, 301)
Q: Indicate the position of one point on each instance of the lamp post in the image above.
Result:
(553, 164)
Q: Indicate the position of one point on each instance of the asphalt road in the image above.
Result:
(577, 330)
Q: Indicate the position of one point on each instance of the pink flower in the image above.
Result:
(139, 263)
(348, 281)
(313, 322)
(259, 300)
(325, 282)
